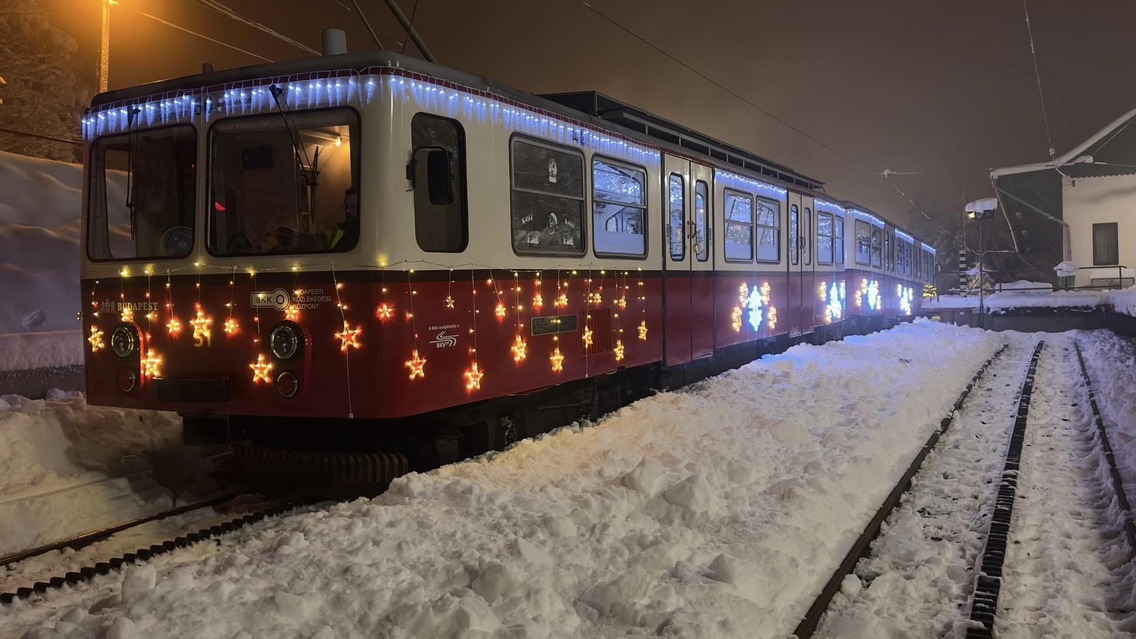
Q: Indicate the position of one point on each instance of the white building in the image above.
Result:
(1078, 207)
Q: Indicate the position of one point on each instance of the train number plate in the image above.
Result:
(550, 324)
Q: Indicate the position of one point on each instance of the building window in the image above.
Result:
(619, 208)
(441, 219)
(548, 199)
(1106, 244)
(739, 227)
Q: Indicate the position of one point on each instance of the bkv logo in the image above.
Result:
(444, 340)
(277, 299)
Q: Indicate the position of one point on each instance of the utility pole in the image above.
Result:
(104, 46)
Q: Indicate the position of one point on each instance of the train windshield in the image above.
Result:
(284, 183)
(142, 197)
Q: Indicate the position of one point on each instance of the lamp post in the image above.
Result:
(104, 46)
(981, 210)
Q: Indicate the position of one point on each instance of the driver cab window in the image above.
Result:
(142, 198)
(284, 183)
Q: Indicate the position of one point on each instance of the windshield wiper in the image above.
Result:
(309, 168)
(130, 169)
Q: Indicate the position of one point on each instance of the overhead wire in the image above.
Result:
(772, 116)
(1037, 75)
(226, 11)
(201, 35)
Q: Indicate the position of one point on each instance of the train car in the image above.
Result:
(393, 249)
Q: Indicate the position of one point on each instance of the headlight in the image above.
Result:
(124, 341)
(286, 341)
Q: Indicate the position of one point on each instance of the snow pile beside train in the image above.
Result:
(715, 511)
(1111, 362)
(57, 455)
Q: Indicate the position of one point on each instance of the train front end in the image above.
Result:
(222, 219)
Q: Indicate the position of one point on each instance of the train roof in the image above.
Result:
(611, 110)
(592, 107)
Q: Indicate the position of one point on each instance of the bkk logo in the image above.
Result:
(277, 299)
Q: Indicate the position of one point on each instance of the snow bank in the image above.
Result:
(1124, 301)
(718, 511)
(57, 455)
(22, 351)
(40, 203)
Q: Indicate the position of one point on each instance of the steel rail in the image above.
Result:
(859, 550)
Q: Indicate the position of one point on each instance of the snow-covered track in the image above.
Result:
(859, 550)
(984, 603)
(142, 554)
(1113, 471)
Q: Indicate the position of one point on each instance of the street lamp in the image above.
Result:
(981, 210)
(104, 46)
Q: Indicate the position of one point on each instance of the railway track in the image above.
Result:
(808, 625)
(215, 526)
(1002, 573)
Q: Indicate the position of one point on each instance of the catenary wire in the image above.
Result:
(772, 116)
(1037, 74)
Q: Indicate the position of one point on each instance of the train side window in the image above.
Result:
(437, 173)
(794, 235)
(824, 238)
(807, 237)
(769, 231)
(547, 204)
(889, 251)
(877, 248)
(738, 216)
(838, 238)
(676, 229)
(619, 208)
(701, 221)
(863, 243)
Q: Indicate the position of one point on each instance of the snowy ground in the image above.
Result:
(716, 511)
(1025, 294)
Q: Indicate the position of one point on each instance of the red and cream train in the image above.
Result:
(393, 247)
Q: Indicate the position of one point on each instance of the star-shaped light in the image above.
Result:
(538, 301)
(96, 339)
(473, 377)
(385, 311)
(449, 301)
(618, 350)
(349, 337)
(261, 370)
(127, 314)
(500, 310)
(643, 330)
(151, 364)
(416, 365)
(562, 300)
(622, 303)
(231, 326)
(292, 313)
(173, 326)
(520, 349)
(557, 360)
(596, 298)
(201, 325)
(587, 337)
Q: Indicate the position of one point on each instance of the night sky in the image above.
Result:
(945, 89)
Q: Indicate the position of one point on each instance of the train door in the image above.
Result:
(699, 236)
(809, 305)
(677, 259)
(795, 263)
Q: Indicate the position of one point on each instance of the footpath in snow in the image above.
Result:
(716, 511)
